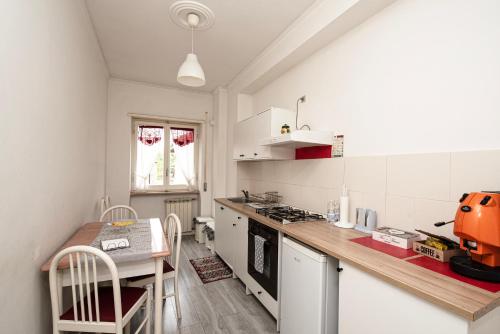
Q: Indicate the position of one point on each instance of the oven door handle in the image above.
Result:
(253, 236)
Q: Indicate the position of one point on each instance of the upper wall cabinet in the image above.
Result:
(248, 135)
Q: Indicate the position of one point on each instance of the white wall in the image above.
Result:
(416, 92)
(53, 86)
(231, 166)
(419, 76)
(219, 143)
(127, 97)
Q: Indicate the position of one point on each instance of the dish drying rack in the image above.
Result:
(269, 197)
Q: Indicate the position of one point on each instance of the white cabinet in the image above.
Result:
(243, 148)
(223, 230)
(231, 239)
(367, 304)
(309, 290)
(249, 134)
(241, 247)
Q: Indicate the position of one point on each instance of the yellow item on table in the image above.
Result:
(123, 223)
(433, 242)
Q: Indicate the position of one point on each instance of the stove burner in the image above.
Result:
(288, 214)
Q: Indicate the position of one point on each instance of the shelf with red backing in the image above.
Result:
(313, 152)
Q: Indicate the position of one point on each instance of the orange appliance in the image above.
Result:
(477, 224)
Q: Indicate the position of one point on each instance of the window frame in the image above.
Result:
(167, 125)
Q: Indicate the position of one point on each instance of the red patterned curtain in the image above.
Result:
(182, 136)
(150, 134)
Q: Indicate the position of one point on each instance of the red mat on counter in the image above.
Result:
(444, 269)
(391, 250)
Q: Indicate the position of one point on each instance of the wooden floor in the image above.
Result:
(217, 307)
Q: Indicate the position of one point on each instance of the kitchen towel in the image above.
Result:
(259, 253)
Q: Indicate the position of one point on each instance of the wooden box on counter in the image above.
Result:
(437, 254)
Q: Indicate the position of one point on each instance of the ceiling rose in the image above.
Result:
(180, 10)
(193, 16)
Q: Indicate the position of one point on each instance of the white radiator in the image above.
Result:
(183, 208)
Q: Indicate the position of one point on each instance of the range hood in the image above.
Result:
(300, 138)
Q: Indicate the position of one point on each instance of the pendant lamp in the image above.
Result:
(191, 73)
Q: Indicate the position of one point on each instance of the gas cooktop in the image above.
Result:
(287, 214)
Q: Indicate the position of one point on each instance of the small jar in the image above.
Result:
(285, 128)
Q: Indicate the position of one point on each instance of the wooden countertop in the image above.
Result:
(461, 298)
(86, 234)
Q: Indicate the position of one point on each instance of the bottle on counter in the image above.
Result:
(336, 211)
(333, 211)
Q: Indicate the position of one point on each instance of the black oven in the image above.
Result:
(268, 279)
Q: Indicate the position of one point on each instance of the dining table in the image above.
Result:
(145, 256)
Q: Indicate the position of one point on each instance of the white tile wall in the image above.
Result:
(407, 191)
(300, 172)
(283, 171)
(267, 171)
(313, 198)
(366, 174)
(292, 194)
(355, 201)
(245, 171)
(376, 202)
(419, 175)
(474, 170)
(427, 212)
(400, 212)
(324, 173)
(245, 184)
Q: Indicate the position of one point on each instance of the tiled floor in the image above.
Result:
(217, 307)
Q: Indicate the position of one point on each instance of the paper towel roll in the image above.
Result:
(344, 209)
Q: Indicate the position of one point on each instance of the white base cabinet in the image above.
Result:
(231, 239)
(231, 244)
(369, 305)
(309, 290)
(263, 296)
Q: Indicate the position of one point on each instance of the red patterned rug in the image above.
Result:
(211, 269)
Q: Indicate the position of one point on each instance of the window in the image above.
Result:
(164, 155)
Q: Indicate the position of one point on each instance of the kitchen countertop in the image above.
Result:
(460, 298)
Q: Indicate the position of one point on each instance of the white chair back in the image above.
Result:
(118, 212)
(83, 282)
(172, 226)
(105, 203)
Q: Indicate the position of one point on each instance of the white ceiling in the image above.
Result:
(140, 42)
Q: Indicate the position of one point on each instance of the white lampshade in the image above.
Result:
(190, 73)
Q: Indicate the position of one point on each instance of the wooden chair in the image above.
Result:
(118, 212)
(171, 226)
(97, 310)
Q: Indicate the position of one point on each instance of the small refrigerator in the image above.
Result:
(309, 290)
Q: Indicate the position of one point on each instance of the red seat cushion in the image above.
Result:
(166, 269)
(129, 297)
